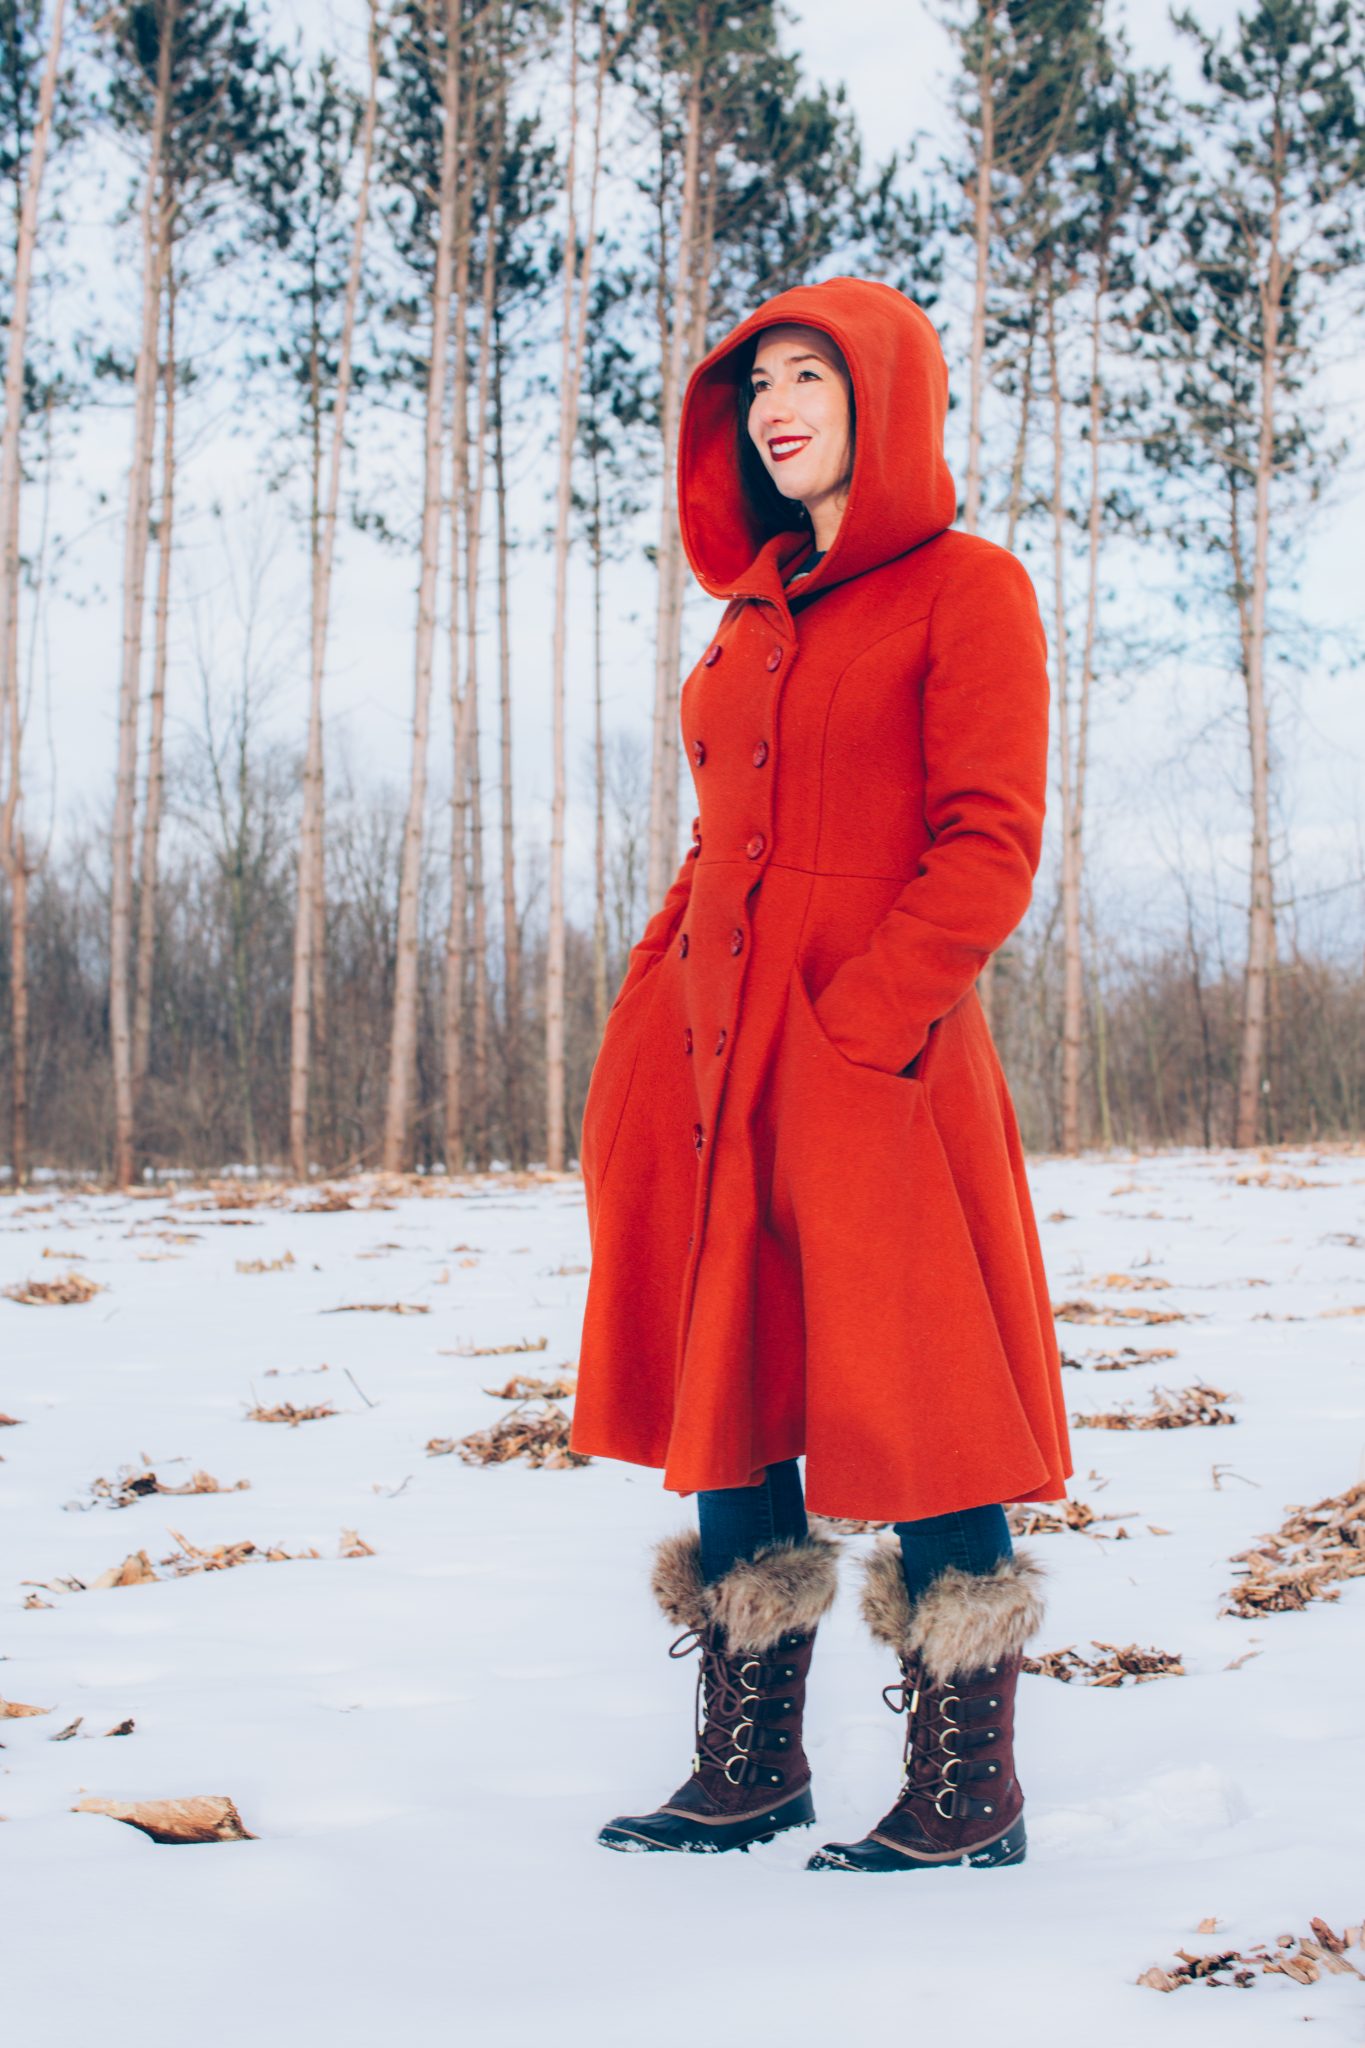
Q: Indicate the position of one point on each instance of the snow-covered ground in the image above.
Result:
(424, 1740)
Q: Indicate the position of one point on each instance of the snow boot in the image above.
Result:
(755, 1630)
(960, 1648)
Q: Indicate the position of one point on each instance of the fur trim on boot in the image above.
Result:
(786, 1589)
(964, 1621)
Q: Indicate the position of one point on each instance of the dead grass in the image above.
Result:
(525, 1386)
(285, 1411)
(134, 1483)
(1138, 1283)
(1081, 1311)
(1127, 1666)
(496, 1350)
(379, 1308)
(1308, 1558)
(1196, 1407)
(62, 1292)
(540, 1436)
(1121, 1359)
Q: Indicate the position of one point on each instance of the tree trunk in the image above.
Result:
(156, 739)
(515, 1096)
(453, 1035)
(135, 537)
(1073, 876)
(1261, 911)
(14, 855)
(473, 541)
(600, 991)
(577, 276)
(1073, 985)
(309, 967)
(663, 793)
(403, 1038)
(981, 237)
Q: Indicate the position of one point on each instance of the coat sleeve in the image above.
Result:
(985, 739)
(657, 934)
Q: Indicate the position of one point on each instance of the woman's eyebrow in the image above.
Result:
(809, 357)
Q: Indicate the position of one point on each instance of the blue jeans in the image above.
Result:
(737, 1521)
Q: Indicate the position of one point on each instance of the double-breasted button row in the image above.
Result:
(774, 660)
(713, 654)
(698, 1138)
(698, 751)
(756, 845)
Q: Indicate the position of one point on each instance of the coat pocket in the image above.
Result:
(612, 1074)
(801, 999)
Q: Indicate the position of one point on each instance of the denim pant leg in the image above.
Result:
(738, 1521)
(973, 1539)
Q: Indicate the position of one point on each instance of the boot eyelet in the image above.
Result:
(743, 1763)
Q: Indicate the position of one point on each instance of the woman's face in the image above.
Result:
(799, 421)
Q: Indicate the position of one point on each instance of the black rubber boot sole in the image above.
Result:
(870, 1855)
(677, 1831)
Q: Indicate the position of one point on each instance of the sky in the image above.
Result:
(1167, 763)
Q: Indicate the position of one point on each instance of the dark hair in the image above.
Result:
(775, 512)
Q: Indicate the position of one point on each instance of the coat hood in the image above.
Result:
(902, 491)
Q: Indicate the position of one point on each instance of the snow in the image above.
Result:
(423, 1741)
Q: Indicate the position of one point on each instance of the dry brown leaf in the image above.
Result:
(9, 1422)
(1128, 1355)
(523, 1386)
(210, 1818)
(1308, 1558)
(379, 1308)
(1116, 1667)
(15, 1710)
(1137, 1282)
(136, 1570)
(1207, 1926)
(1358, 1310)
(122, 1727)
(1081, 1311)
(133, 1484)
(353, 1545)
(32, 1600)
(1057, 1216)
(280, 1265)
(65, 1734)
(1196, 1407)
(542, 1438)
(285, 1411)
(59, 1293)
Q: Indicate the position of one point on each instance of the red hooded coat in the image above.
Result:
(795, 1246)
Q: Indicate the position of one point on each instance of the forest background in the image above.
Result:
(342, 612)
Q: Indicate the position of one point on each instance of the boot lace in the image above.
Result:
(728, 1685)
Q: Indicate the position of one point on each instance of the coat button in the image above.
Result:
(775, 660)
(720, 1039)
(682, 947)
(698, 1137)
(713, 654)
(687, 1038)
(737, 940)
(760, 753)
(698, 751)
(756, 846)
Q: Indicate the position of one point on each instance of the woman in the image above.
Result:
(811, 1226)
